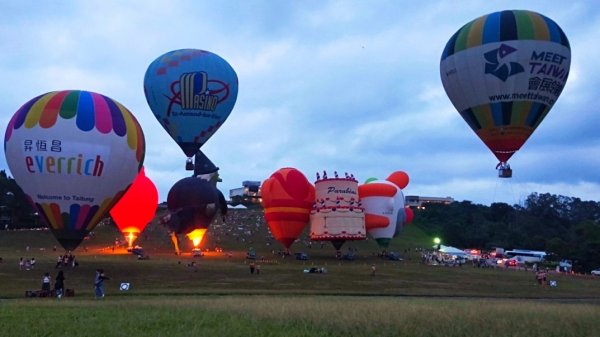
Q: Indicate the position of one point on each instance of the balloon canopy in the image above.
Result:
(287, 198)
(337, 214)
(410, 215)
(74, 153)
(222, 204)
(136, 208)
(191, 92)
(193, 204)
(383, 202)
(203, 165)
(503, 72)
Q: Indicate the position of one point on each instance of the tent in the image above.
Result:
(452, 251)
(240, 206)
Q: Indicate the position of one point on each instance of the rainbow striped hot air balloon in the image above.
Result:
(74, 153)
(287, 198)
(503, 72)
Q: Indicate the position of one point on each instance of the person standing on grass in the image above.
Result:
(59, 284)
(373, 269)
(46, 282)
(99, 283)
(544, 281)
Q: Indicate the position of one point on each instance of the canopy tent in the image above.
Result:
(452, 251)
(237, 207)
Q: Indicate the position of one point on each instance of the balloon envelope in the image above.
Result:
(383, 202)
(503, 72)
(287, 199)
(410, 215)
(193, 203)
(399, 178)
(137, 207)
(74, 153)
(191, 92)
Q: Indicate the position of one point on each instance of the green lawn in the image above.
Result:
(219, 296)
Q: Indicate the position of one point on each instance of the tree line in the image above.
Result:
(566, 227)
(15, 210)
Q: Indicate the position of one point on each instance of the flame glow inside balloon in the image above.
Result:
(73, 153)
(196, 236)
(193, 203)
(136, 208)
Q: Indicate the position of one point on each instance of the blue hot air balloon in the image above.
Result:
(191, 92)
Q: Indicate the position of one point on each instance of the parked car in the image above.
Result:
(596, 272)
(349, 256)
(137, 250)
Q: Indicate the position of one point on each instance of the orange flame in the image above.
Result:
(196, 236)
(131, 236)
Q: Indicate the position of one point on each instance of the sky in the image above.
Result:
(347, 86)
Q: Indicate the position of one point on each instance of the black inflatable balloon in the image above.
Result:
(222, 204)
(193, 203)
(69, 240)
(338, 244)
(203, 165)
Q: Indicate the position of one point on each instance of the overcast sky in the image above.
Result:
(352, 86)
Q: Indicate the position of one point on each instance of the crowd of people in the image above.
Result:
(58, 289)
(59, 285)
(67, 260)
(242, 226)
(27, 264)
(432, 257)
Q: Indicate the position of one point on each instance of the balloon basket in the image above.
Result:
(189, 166)
(505, 173)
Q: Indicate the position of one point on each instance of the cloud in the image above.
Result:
(324, 85)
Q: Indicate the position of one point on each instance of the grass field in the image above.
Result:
(296, 316)
(219, 296)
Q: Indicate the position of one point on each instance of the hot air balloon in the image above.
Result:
(503, 72)
(191, 92)
(410, 215)
(287, 198)
(337, 214)
(74, 153)
(383, 202)
(193, 204)
(136, 208)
